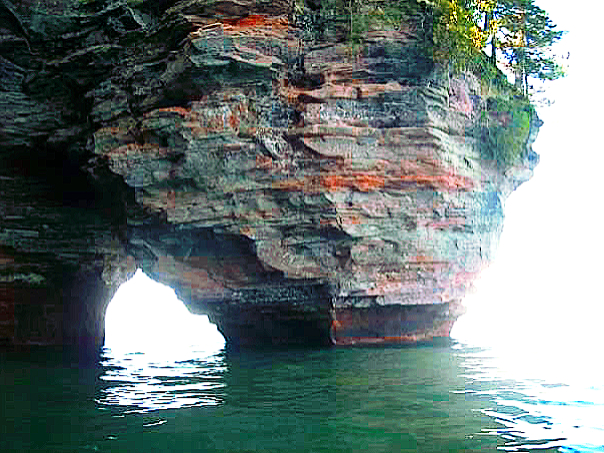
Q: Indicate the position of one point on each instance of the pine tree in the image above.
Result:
(523, 33)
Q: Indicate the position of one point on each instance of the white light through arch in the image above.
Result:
(157, 354)
(146, 316)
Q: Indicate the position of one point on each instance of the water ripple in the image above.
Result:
(143, 382)
(535, 413)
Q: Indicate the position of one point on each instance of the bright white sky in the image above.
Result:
(545, 284)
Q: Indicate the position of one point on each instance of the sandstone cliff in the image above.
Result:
(292, 185)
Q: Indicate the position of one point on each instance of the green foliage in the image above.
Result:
(520, 30)
(369, 15)
(455, 38)
(350, 20)
(460, 30)
(455, 34)
(505, 127)
(523, 33)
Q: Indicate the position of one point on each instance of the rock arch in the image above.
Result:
(339, 201)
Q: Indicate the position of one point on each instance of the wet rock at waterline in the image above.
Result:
(294, 186)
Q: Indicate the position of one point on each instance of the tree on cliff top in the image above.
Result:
(520, 35)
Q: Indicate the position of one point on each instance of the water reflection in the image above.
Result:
(147, 381)
(445, 398)
(535, 410)
(434, 398)
(157, 354)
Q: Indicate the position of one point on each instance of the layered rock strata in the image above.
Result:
(294, 187)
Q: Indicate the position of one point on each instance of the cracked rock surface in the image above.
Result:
(293, 187)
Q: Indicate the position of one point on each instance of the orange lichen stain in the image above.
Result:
(368, 183)
(208, 126)
(180, 110)
(360, 181)
(429, 171)
(352, 220)
(428, 263)
(233, 121)
(452, 181)
(334, 183)
(294, 185)
(447, 182)
(421, 259)
(465, 182)
(253, 20)
(256, 21)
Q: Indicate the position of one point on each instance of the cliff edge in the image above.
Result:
(294, 185)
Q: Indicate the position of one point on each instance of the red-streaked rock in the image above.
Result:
(394, 324)
(280, 182)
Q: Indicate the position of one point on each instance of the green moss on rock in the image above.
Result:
(505, 127)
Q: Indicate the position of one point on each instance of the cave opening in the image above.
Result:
(146, 317)
(157, 354)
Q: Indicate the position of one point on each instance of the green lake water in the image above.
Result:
(445, 397)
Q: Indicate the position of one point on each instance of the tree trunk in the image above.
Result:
(520, 75)
(488, 17)
(493, 57)
(519, 71)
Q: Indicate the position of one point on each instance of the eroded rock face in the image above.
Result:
(294, 187)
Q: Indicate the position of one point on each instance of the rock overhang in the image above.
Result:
(247, 159)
